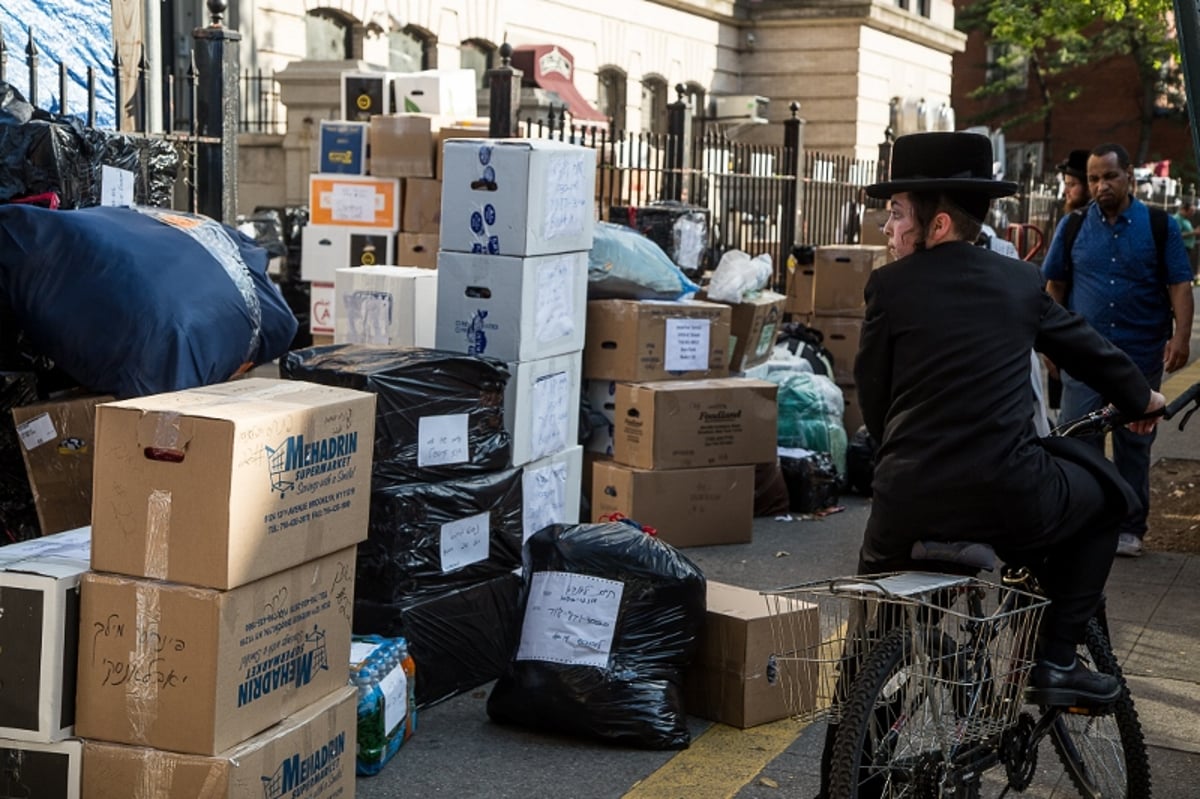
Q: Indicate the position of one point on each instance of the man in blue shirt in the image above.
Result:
(1117, 283)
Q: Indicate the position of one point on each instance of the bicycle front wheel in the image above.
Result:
(895, 725)
(1105, 756)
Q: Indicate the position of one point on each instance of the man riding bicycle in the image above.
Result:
(943, 381)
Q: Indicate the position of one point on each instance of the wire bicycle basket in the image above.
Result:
(969, 644)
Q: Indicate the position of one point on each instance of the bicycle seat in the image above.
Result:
(973, 554)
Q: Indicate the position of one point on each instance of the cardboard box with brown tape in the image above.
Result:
(840, 274)
(651, 340)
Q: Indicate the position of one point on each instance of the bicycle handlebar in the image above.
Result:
(1105, 419)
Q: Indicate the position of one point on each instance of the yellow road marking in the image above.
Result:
(1174, 385)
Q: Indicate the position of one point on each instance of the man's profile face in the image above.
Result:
(1109, 182)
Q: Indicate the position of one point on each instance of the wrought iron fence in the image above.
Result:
(262, 109)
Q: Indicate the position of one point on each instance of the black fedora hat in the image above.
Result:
(942, 161)
(1075, 165)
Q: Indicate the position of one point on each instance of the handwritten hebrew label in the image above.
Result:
(464, 542)
(570, 619)
(545, 490)
(555, 312)
(442, 440)
(351, 203)
(551, 414)
(567, 201)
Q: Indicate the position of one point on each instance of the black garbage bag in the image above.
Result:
(136, 301)
(860, 462)
(412, 385)
(18, 512)
(611, 619)
(811, 478)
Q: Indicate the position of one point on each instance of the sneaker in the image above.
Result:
(1129, 546)
(1071, 686)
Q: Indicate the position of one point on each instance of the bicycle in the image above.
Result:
(925, 674)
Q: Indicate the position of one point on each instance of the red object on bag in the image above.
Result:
(47, 198)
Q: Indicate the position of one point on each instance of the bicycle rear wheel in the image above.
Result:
(1105, 756)
(895, 723)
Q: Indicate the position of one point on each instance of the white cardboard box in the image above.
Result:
(39, 634)
(385, 306)
(550, 490)
(42, 770)
(451, 92)
(541, 406)
(322, 309)
(514, 309)
(327, 248)
(517, 196)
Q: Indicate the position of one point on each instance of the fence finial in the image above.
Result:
(217, 9)
(506, 51)
(3, 53)
(680, 91)
(794, 107)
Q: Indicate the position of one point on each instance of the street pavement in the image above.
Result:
(1153, 602)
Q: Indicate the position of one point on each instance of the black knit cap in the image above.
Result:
(958, 164)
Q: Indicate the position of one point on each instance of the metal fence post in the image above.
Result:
(31, 58)
(217, 64)
(679, 139)
(504, 84)
(793, 146)
(3, 55)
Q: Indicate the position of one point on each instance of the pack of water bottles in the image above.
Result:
(383, 672)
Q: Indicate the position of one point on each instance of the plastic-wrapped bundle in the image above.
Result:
(426, 538)
(625, 265)
(460, 639)
(136, 301)
(18, 513)
(811, 480)
(611, 620)
(681, 230)
(810, 414)
(439, 415)
(384, 674)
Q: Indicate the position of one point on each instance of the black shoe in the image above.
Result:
(1074, 686)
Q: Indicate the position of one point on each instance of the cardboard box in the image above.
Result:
(385, 306)
(39, 634)
(590, 459)
(650, 340)
(467, 128)
(342, 148)
(753, 327)
(799, 289)
(840, 275)
(417, 249)
(685, 424)
(602, 400)
(541, 406)
(404, 145)
(365, 94)
(514, 309)
(873, 220)
(322, 310)
(688, 507)
(221, 485)
(310, 753)
(58, 445)
(422, 206)
(735, 678)
(42, 770)
(842, 334)
(198, 670)
(517, 196)
(355, 200)
(450, 92)
(550, 490)
(328, 248)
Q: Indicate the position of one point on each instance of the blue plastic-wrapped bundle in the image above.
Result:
(385, 676)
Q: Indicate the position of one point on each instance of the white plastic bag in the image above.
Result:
(739, 277)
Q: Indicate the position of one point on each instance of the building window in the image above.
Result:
(654, 104)
(479, 56)
(410, 50)
(329, 35)
(920, 7)
(612, 96)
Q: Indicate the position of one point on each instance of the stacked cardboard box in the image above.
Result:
(839, 279)
(225, 521)
(39, 635)
(684, 438)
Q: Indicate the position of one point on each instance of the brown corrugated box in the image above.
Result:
(422, 206)
(649, 340)
(404, 145)
(198, 670)
(840, 274)
(417, 249)
(842, 334)
(311, 753)
(687, 507)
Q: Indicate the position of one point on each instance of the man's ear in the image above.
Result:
(941, 228)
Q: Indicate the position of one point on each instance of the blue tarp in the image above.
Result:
(75, 32)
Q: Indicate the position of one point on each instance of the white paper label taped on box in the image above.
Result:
(37, 431)
(686, 345)
(369, 317)
(570, 619)
(551, 414)
(349, 203)
(555, 311)
(442, 440)
(465, 541)
(116, 186)
(395, 698)
(545, 497)
(566, 204)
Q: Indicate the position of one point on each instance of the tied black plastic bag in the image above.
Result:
(611, 619)
(439, 415)
(812, 480)
(860, 462)
(136, 301)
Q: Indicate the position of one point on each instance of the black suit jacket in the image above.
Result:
(944, 384)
